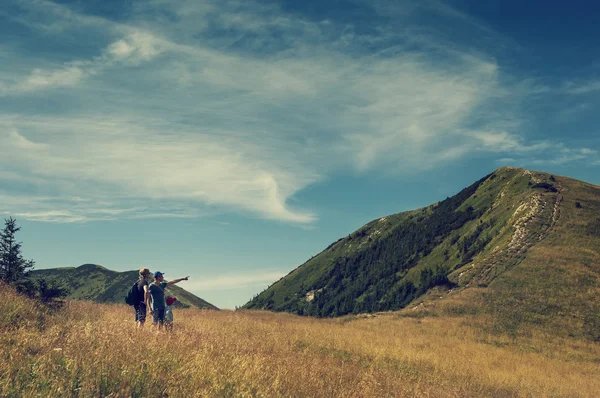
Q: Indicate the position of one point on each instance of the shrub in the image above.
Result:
(547, 186)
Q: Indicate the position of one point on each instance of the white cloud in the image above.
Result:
(87, 214)
(583, 87)
(139, 162)
(407, 109)
(503, 141)
(174, 116)
(568, 155)
(121, 49)
(52, 18)
(538, 153)
(234, 281)
(588, 151)
(73, 209)
(136, 47)
(22, 143)
(506, 161)
(42, 79)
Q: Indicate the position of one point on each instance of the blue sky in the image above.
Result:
(231, 141)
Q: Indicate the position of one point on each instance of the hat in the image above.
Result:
(171, 300)
(158, 274)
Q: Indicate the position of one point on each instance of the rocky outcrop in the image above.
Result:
(531, 222)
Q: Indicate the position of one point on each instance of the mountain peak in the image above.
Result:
(98, 283)
(506, 168)
(92, 267)
(477, 239)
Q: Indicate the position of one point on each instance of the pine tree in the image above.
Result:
(13, 267)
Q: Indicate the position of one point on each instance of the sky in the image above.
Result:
(233, 140)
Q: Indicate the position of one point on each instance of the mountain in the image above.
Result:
(518, 245)
(94, 282)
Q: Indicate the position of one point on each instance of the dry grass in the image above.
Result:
(90, 350)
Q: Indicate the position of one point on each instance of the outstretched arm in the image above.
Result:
(174, 281)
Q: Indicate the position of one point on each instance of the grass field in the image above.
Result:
(94, 350)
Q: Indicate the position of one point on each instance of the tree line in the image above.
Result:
(374, 278)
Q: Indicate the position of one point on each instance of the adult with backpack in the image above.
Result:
(139, 297)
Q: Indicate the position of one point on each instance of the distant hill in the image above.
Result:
(94, 282)
(519, 245)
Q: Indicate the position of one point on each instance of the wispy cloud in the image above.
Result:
(583, 87)
(137, 47)
(568, 155)
(545, 152)
(234, 280)
(238, 106)
(64, 209)
(505, 142)
(40, 79)
(135, 162)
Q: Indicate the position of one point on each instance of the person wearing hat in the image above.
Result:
(157, 295)
(144, 295)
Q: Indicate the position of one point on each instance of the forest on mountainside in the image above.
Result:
(373, 279)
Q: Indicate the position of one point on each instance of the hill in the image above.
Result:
(518, 245)
(94, 282)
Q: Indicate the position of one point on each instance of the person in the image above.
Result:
(144, 298)
(157, 295)
(169, 313)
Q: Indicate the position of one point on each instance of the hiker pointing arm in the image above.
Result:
(157, 293)
(174, 281)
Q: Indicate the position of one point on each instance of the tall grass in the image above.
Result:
(92, 350)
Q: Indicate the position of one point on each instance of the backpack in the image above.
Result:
(133, 296)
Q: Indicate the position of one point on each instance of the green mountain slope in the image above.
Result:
(553, 280)
(94, 282)
(493, 237)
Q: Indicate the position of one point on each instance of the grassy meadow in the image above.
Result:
(94, 350)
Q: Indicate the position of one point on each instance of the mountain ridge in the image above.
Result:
(98, 283)
(467, 241)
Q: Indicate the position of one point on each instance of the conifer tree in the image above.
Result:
(13, 267)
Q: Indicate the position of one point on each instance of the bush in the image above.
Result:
(547, 186)
(49, 294)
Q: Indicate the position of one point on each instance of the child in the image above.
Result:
(169, 313)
